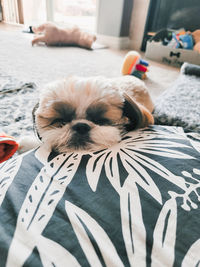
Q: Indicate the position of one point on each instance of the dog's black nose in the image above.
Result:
(81, 128)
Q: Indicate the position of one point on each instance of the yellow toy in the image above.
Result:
(134, 65)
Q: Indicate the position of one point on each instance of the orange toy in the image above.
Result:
(8, 146)
(196, 37)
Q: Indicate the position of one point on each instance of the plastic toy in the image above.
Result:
(134, 65)
(8, 146)
(184, 41)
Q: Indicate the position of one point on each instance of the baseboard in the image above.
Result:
(114, 42)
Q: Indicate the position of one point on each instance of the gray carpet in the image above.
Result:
(42, 64)
(17, 100)
(179, 105)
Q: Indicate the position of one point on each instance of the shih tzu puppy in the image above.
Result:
(91, 113)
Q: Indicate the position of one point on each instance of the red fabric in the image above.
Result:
(8, 147)
(141, 68)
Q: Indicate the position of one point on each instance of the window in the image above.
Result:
(64, 12)
(79, 12)
(34, 12)
(10, 11)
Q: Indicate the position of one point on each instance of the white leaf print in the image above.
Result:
(192, 257)
(7, 173)
(164, 238)
(161, 133)
(78, 219)
(94, 168)
(172, 129)
(160, 148)
(39, 205)
(42, 154)
(53, 254)
(194, 139)
(112, 171)
(133, 228)
(160, 169)
(140, 175)
(167, 131)
(165, 152)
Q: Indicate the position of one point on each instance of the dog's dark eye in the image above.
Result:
(66, 113)
(95, 113)
(60, 122)
(101, 121)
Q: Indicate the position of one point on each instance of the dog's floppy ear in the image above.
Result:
(139, 116)
(34, 123)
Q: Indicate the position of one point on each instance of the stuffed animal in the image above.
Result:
(183, 40)
(134, 65)
(50, 34)
(196, 37)
(164, 36)
(8, 146)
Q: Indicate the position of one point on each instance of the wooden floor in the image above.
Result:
(10, 27)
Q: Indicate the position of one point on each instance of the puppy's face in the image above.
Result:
(81, 113)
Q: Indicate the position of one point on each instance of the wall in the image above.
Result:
(138, 20)
(122, 22)
(109, 17)
(113, 22)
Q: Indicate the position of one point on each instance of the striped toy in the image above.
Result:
(134, 65)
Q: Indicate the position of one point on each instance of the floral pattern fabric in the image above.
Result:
(134, 204)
